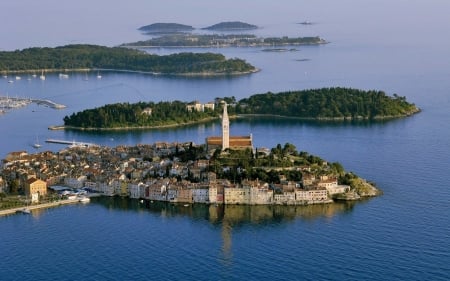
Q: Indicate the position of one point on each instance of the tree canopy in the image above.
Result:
(327, 103)
(119, 58)
(318, 104)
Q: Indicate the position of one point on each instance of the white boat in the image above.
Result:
(26, 211)
(99, 76)
(10, 81)
(42, 77)
(33, 75)
(18, 77)
(63, 76)
(37, 144)
(84, 199)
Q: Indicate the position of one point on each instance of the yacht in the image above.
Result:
(42, 77)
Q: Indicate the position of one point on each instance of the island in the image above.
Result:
(183, 173)
(325, 104)
(93, 57)
(223, 40)
(231, 26)
(163, 28)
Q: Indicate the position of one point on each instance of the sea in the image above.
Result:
(400, 47)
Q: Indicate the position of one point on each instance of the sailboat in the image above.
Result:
(37, 144)
(99, 76)
(42, 77)
(86, 77)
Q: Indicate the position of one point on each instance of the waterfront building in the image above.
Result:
(35, 187)
(200, 192)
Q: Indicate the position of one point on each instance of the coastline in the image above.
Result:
(187, 74)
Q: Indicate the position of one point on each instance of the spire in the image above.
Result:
(225, 128)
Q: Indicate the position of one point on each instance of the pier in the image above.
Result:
(70, 143)
(13, 103)
(48, 103)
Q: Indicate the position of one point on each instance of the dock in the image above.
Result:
(38, 206)
(71, 143)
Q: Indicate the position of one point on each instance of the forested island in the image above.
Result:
(231, 26)
(224, 40)
(315, 104)
(86, 57)
(160, 28)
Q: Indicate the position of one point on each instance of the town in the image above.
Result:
(178, 172)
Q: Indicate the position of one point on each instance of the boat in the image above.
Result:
(10, 81)
(42, 77)
(18, 77)
(25, 211)
(33, 75)
(186, 205)
(84, 199)
(63, 76)
(99, 76)
(37, 144)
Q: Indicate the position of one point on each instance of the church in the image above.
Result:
(227, 141)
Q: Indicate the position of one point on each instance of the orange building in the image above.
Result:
(35, 186)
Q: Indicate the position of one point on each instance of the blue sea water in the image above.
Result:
(396, 46)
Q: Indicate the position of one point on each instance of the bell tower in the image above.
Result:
(225, 128)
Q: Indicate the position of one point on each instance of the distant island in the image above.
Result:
(231, 26)
(317, 104)
(230, 40)
(93, 57)
(161, 28)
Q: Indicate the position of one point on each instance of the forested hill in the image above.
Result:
(142, 114)
(318, 104)
(118, 58)
(231, 25)
(328, 103)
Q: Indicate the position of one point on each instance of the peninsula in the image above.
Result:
(93, 57)
(336, 104)
(177, 173)
(223, 40)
